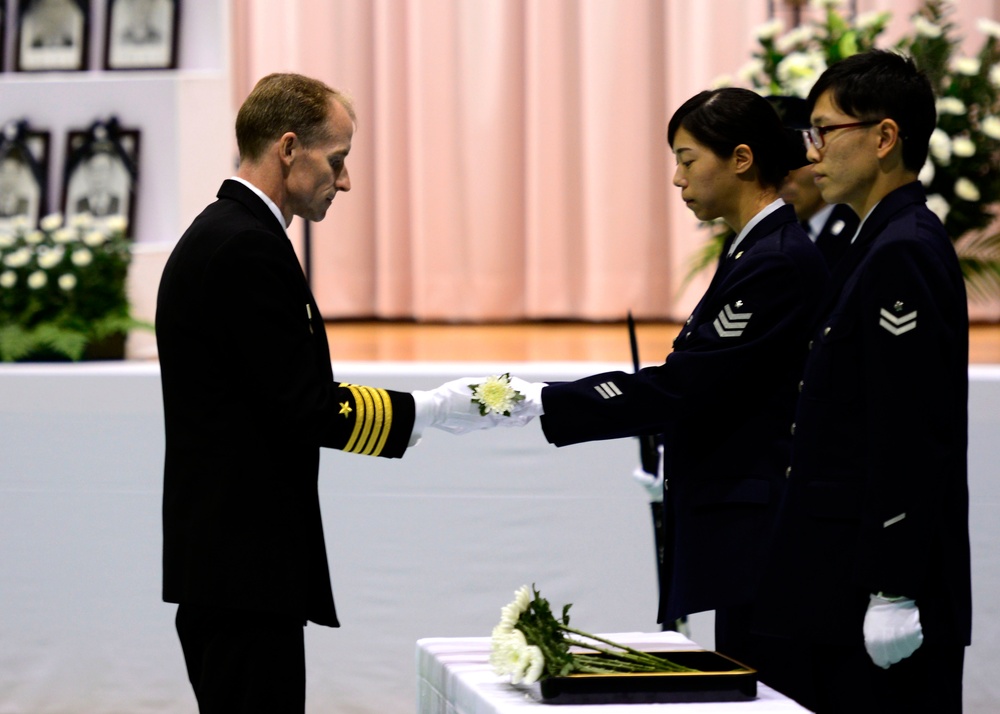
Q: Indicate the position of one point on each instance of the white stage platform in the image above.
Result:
(428, 546)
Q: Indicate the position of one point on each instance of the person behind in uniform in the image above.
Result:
(869, 579)
(830, 226)
(724, 397)
(249, 398)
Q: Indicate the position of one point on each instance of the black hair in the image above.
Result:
(877, 85)
(722, 119)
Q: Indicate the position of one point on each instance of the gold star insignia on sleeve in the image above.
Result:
(345, 409)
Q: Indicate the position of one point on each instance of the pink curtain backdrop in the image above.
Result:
(510, 161)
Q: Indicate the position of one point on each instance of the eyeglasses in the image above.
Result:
(816, 135)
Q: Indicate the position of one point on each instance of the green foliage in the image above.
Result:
(62, 288)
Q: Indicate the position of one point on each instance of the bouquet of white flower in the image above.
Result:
(530, 644)
(62, 287)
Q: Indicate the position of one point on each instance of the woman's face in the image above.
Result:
(708, 183)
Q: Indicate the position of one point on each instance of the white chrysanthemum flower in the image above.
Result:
(988, 27)
(939, 206)
(995, 75)
(20, 224)
(67, 281)
(18, 259)
(51, 222)
(926, 28)
(64, 235)
(963, 147)
(966, 190)
(951, 105)
(82, 221)
(969, 66)
(8, 279)
(116, 224)
(82, 257)
(926, 175)
(95, 238)
(940, 146)
(797, 37)
(34, 238)
(37, 280)
(826, 4)
(496, 395)
(536, 664)
(509, 654)
(798, 71)
(769, 30)
(991, 127)
(50, 258)
(6, 239)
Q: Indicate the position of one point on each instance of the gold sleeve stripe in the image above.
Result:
(373, 420)
(387, 427)
(359, 413)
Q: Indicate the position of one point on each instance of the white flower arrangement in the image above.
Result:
(529, 644)
(963, 169)
(63, 287)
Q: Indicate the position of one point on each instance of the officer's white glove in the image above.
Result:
(531, 405)
(450, 408)
(652, 483)
(892, 629)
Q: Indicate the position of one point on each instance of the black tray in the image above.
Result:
(719, 679)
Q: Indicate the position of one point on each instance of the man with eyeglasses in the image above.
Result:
(869, 582)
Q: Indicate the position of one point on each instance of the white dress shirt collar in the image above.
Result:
(761, 215)
(267, 201)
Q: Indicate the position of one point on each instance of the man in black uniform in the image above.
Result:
(869, 581)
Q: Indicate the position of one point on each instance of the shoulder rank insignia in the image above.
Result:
(897, 324)
(730, 323)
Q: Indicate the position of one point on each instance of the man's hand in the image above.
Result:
(892, 629)
(451, 408)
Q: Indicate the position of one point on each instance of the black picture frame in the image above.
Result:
(52, 35)
(102, 169)
(3, 35)
(24, 174)
(141, 34)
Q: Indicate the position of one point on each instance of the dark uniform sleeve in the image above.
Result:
(276, 341)
(914, 336)
(746, 333)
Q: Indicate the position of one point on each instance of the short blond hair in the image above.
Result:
(285, 102)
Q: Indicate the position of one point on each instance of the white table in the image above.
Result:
(454, 677)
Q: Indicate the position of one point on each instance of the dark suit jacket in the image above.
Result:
(724, 400)
(878, 494)
(249, 397)
(835, 235)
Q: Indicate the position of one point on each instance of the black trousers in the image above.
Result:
(842, 679)
(243, 662)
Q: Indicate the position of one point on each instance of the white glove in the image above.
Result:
(450, 408)
(531, 406)
(892, 629)
(652, 484)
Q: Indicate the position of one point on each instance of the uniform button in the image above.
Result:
(810, 344)
(687, 336)
(793, 429)
(688, 321)
(826, 331)
(801, 385)
(788, 472)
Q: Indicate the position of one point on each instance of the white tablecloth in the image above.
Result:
(454, 677)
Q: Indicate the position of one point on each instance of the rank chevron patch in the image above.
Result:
(897, 325)
(730, 323)
(608, 390)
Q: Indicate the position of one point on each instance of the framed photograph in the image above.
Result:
(101, 173)
(24, 174)
(141, 34)
(52, 35)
